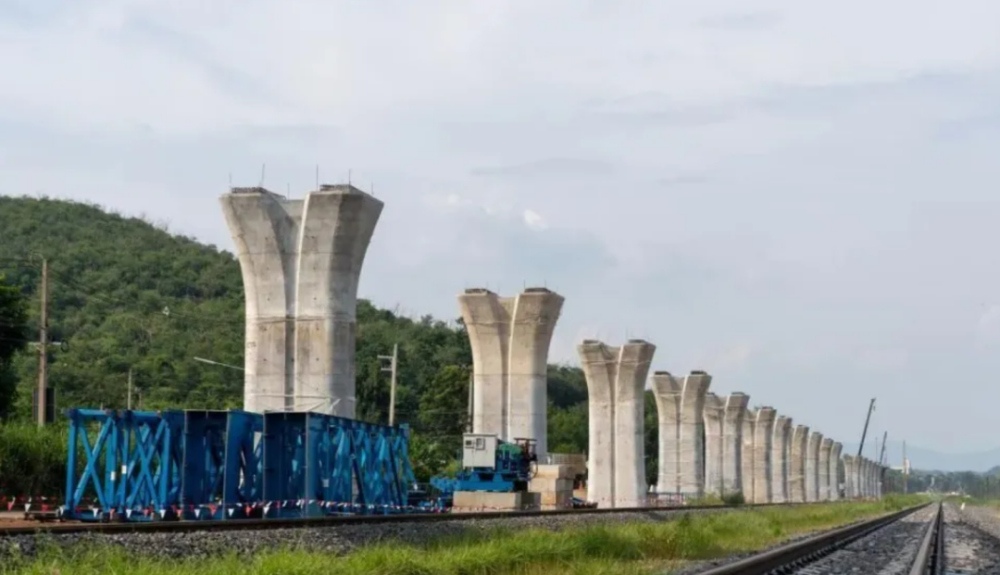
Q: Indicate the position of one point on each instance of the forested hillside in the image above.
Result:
(126, 294)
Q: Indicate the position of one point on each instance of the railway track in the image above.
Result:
(313, 522)
(933, 539)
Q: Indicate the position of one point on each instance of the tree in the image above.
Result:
(13, 338)
(444, 405)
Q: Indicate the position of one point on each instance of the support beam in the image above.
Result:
(692, 461)
(762, 439)
(825, 445)
(732, 443)
(301, 262)
(616, 383)
(835, 479)
(780, 446)
(510, 340)
(667, 393)
(748, 470)
(812, 466)
(713, 416)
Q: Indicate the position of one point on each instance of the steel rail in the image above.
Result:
(800, 553)
(930, 555)
(287, 523)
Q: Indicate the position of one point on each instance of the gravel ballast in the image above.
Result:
(972, 540)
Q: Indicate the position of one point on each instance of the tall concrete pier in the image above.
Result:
(851, 477)
(748, 469)
(732, 442)
(691, 452)
(616, 382)
(797, 469)
(825, 445)
(762, 440)
(667, 393)
(301, 262)
(835, 470)
(714, 411)
(780, 447)
(812, 466)
(510, 338)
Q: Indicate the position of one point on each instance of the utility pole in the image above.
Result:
(906, 468)
(393, 362)
(129, 400)
(43, 346)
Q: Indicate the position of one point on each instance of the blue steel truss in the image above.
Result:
(317, 464)
(131, 467)
(222, 462)
(141, 466)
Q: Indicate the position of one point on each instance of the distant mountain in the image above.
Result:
(930, 460)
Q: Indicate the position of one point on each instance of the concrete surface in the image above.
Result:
(762, 440)
(301, 262)
(835, 479)
(473, 501)
(797, 464)
(823, 472)
(748, 470)
(691, 453)
(510, 340)
(850, 477)
(616, 383)
(714, 410)
(865, 477)
(732, 442)
(781, 445)
(812, 466)
(667, 393)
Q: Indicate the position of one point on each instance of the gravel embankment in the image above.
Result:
(972, 540)
(338, 539)
(873, 554)
(888, 551)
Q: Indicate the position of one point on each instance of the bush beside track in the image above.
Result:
(631, 543)
(32, 461)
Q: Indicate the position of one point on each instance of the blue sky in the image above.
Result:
(798, 197)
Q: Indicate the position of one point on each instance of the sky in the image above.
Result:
(797, 197)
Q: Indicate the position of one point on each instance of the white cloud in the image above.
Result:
(534, 221)
(786, 192)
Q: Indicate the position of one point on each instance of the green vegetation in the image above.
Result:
(32, 461)
(632, 549)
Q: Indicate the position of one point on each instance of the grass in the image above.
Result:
(623, 549)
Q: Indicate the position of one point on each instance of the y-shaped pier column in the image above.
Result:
(301, 262)
(692, 461)
(748, 470)
(762, 440)
(780, 447)
(824, 468)
(835, 471)
(667, 393)
(732, 442)
(510, 340)
(714, 409)
(851, 488)
(616, 381)
(797, 469)
(812, 466)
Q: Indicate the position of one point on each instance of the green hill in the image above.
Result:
(125, 294)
